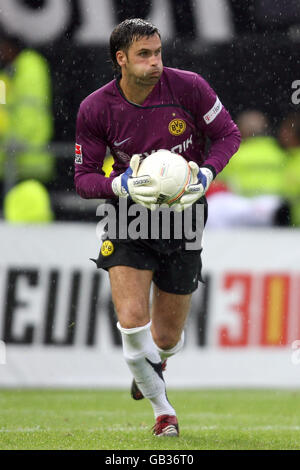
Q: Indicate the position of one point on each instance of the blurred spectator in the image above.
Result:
(26, 123)
(231, 210)
(256, 169)
(28, 202)
(289, 138)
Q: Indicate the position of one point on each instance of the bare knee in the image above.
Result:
(133, 314)
(166, 341)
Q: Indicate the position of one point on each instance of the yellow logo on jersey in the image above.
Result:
(177, 127)
(107, 248)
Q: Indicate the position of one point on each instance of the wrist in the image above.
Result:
(205, 177)
(212, 169)
(208, 175)
(117, 187)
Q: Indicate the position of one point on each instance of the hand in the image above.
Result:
(141, 189)
(201, 179)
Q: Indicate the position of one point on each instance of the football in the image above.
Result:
(170, 171)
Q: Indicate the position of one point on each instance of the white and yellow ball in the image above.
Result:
(170, 172)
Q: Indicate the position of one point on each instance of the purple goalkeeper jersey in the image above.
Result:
(179, 114)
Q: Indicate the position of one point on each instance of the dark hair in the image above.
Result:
(125, 34)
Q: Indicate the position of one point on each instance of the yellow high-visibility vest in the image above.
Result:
(28, 202)
(257, 168)
(292, 183)
(26, 118)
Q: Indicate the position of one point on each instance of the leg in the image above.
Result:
(174, 284)
(130, 290)
(181, 273)
(169, 313)
(130, 293)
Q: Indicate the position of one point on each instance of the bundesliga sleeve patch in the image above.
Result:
(213, 112)
(78, 154)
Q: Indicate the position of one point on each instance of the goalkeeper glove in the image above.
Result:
(141, 189)
(201, 179)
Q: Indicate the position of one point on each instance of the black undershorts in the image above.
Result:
(175, 269)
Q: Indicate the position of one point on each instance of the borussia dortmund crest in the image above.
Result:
(177, 127)
(107, 248)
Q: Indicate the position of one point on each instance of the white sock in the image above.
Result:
(144, 361)
(165, 353)
(161, 406)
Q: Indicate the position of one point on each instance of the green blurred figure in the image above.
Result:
(28, 202)
(256, 169)
(26, 122)
(289, 138)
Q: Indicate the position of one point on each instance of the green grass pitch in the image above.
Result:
(110, 419)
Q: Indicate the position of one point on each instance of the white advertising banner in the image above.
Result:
(58, 325)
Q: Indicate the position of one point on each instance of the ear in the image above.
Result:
(121, 58)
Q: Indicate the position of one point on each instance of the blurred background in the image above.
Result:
(54, 306)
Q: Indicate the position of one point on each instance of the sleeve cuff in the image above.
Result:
(211, 168)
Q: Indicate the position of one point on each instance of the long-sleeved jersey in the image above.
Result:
(179, 114)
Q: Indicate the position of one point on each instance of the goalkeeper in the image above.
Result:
(146, 108)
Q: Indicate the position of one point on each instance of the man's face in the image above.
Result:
(143, 62)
